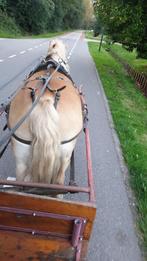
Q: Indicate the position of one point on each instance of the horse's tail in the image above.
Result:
(44, 126)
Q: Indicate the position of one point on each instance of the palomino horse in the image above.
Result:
(44, 143)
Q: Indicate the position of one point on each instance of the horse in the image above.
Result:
(44, 142)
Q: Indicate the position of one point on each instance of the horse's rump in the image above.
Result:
(47, 127)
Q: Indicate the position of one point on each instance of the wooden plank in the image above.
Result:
(22, 248)
(46, 204)
(36, 223)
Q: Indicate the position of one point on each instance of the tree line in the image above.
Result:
(125, 21)
(37, 16)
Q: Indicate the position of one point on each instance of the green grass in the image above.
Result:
(8, 34)
(89, 35)
(139, 64)
(129, 111)
(47, 35)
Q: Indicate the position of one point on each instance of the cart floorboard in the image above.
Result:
(43, 228)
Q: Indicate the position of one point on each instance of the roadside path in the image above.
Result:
(113, 237)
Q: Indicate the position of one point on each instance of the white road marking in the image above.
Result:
(74, 46)
(37, 46)
(22, 52)
(12, 56)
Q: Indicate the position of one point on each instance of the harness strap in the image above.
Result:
(3, 150)
(28, 142)
(47, 63)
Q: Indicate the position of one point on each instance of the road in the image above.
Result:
(114, 237)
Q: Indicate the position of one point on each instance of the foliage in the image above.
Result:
(128, 107)
(3, 4)
(97, 26)
(88, 14)
(8, 27)
(32, 16)
(125, 21)
(38, 16)
(68, 14)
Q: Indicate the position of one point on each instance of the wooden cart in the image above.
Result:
(35, 227)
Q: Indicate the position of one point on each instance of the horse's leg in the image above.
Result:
(22, 154)
(66, 152)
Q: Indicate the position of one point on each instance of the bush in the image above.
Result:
(8, 25)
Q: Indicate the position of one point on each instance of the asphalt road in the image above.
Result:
(114, 237)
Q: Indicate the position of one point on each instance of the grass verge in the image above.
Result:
(129, 110)
(139, 65)
(89, 35)
(6, 34)
(46, 35)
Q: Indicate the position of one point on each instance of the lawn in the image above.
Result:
(90, 35)
(47, 35)
(138, 64)
(5, 34)
(129, 110)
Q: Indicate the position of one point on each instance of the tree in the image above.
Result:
(3, 4)
(31, 15)
(88, 18)
(36, 16)
(67, 14)
(125, 22)
(74, 14)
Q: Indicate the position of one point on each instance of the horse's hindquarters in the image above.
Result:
(47, 128)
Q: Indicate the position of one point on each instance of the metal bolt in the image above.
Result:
(34, 214)
(33, 233)
(77, 221)
(84, 221)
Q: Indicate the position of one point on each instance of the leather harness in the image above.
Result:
(44, 65)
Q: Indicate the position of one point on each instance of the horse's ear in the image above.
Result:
(54, 45)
